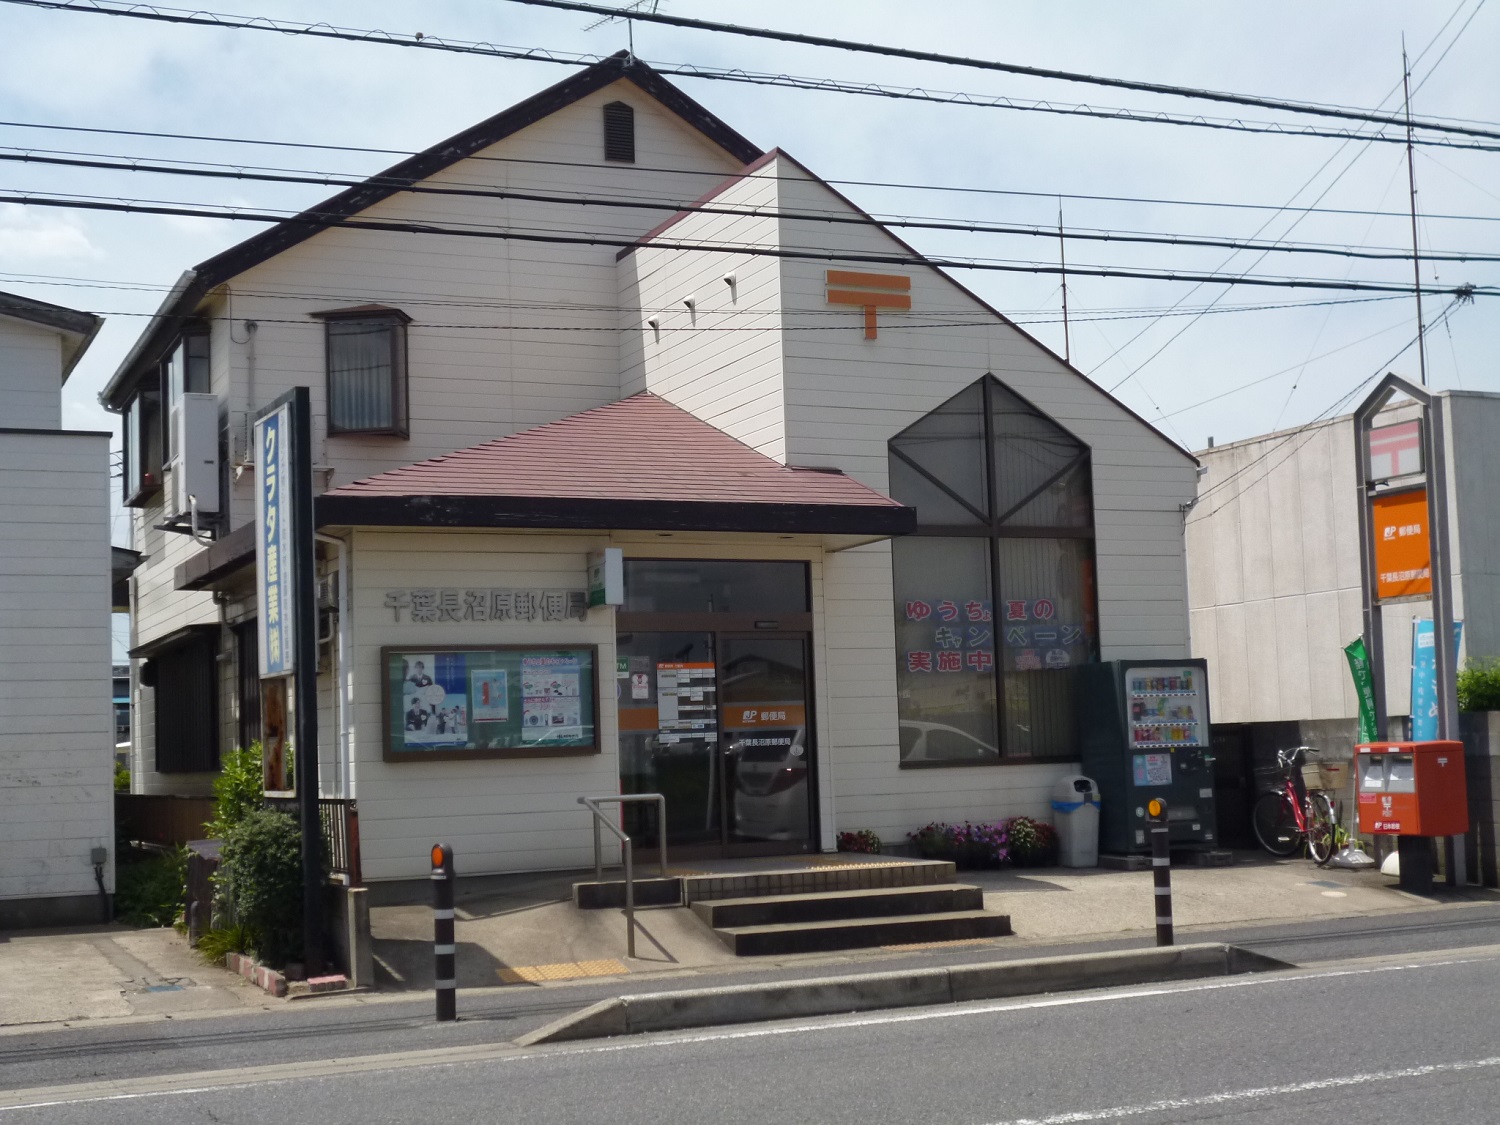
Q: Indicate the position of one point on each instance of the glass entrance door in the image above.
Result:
(719, 724)
(766, 740)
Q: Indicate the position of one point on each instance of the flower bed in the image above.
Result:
(1018, 841)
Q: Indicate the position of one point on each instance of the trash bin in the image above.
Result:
(1075, 805)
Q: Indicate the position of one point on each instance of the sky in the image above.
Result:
(1223, 375)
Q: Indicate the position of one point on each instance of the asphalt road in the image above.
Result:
(1013, 1057)
(1414, 1040)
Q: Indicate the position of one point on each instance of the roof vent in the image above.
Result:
(619, 132)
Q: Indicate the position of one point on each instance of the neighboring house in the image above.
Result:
(625, 374)
(56, 742)
(1273, 566)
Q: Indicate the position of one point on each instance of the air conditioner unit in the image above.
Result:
(328, 591)
(194, 468)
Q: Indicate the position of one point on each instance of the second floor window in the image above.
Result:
(366, 351)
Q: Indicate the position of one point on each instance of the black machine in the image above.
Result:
(1144, 733)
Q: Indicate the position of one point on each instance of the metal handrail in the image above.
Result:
(627, 849)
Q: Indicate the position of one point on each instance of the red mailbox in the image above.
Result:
(1412, 788)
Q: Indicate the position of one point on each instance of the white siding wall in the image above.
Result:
(500, 815)
(157, 610)
(505, 334)
(56, 725)
(721, 360)
(30, 375)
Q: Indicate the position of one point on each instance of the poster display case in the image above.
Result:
(492, 701)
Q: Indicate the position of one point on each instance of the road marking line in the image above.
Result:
(1227, 1096)
(168, 1085)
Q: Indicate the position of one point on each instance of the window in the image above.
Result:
(715, 586)
(366, 349)
(619, 132)
(994, 593)
(184, 371)
(148, 418)
(247, 670)
(186, 699)
(143, 448)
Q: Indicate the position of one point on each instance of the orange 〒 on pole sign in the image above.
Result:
(1403, 555)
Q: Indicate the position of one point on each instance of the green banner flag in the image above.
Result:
(1364, 687)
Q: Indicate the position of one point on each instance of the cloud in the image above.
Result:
(29, 235)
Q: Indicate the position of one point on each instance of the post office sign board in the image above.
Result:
(1403, 556)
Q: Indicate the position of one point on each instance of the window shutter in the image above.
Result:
(619, 132)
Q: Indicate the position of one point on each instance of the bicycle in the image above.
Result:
(1284, 819)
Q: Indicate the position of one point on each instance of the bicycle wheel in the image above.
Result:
(1320, 827)
(1276, 825)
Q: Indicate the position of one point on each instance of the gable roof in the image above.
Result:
(639, 463)
(351, 201)
(918, 258)
(78, 329)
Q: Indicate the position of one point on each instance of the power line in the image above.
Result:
(1191, 92)
(1302, 430)
(1321, 196)
(199, 169)
(689, 70)
(920, 318)
(322, 220)
(961, 189)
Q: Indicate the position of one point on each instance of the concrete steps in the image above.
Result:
(833, 920)
(772, 910)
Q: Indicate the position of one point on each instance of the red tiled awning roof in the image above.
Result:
(640, 463)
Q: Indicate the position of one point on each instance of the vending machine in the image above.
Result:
(1143, 726)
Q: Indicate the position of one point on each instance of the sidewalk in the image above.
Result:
(90, 973)
(523, 931)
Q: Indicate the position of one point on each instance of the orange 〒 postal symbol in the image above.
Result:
(869, 291)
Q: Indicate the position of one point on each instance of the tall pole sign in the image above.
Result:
(288, 618)
(1403, 542)
(273, 567)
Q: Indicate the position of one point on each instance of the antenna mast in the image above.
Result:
(1416, 256)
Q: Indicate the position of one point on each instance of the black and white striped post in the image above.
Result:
(1161, 867)
(444, 950)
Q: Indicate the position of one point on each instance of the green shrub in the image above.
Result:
(1479, 686)
(260, 874)
(237, 790)
(149, 888)
(230, 939)
(122, 779)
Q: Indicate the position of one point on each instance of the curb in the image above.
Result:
(706, 1007)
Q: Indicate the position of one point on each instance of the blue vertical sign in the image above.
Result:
(273, 554)
(1424, 701)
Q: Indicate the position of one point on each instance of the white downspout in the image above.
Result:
(343, 691)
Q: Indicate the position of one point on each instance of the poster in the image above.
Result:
(686, 697)
(490, 691)
(467, 701)
(551, 699)
(1152, 769)
(436, 712)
